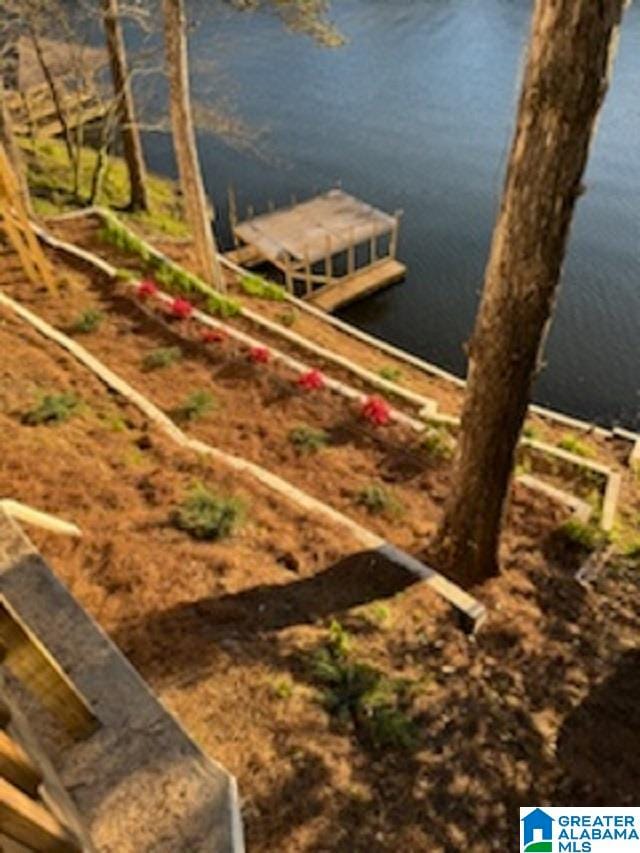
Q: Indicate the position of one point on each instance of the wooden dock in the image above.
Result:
(365, 282)
(331, 249)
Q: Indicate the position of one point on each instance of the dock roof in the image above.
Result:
(306, 230)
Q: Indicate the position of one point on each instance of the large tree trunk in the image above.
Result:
(131, 143)
(184, 141)
(565, 81)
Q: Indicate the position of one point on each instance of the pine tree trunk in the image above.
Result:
(131, 143)
(184, 141)
(565, 81)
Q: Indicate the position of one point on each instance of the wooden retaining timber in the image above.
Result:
(470, 611)
(134, 781)
(428, 409)
(21, 512)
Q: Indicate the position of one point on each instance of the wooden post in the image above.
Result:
(271, 205)
(393, 245)
(233, 214)
(16, 766)
(288, 279)
(307, 270)
(328, 271)
(294, 200)
(373, 244)
(29, 823)
(351, 253)
(250, 211)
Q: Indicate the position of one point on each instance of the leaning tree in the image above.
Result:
(565, 81)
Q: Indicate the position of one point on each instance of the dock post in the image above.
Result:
(233, 214)
(328, 271)
(307, 270)
(351, 253)
(288, 279)
(250, 211)
(393, 245)
(373, 244)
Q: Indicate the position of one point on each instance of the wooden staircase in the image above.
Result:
(28, 821)
(17, 231)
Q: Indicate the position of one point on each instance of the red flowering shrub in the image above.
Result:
(213, 336)
(180, 308)
(376, 410)
(312, 380)
(259, 355)
(147, 287)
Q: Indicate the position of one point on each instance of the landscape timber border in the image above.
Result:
(426, 413)
(421, 364)
(135, 751)
(470, 611)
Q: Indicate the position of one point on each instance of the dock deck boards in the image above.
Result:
(366, 281)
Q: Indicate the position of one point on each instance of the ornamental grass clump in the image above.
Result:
(87, 322)
(306, 439)
(208, 516)
(362, 697)
(196, 405)
(378, 500)
(588, 537)
(51, 409)
(162, 357)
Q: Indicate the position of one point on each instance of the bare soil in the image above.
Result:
(225, 632)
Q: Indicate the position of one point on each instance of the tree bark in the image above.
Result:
(184, 141)
(565, 81)
(131, 142)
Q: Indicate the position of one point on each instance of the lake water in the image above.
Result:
(416, 112)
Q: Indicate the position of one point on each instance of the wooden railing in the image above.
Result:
(26, 818)
(33, 112)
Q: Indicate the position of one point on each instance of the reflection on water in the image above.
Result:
(415, 113)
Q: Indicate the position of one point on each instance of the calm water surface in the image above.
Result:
(416, 113)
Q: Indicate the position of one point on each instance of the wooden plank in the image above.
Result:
(17, 767)
(30, 663)
(24, 513)
(29, 823)
(365, 281)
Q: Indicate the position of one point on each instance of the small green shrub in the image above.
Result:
(437, 443)
(255, 285)
(282, 688)
(529, 432)
(378, 500)
(52, 408)
(288, 317)
(572, 444)
(390, 373)
(587, 536)
(308, 440)
(357, 693)
(87, 322)
(162, 357)
(196, 405)
(208, 516)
